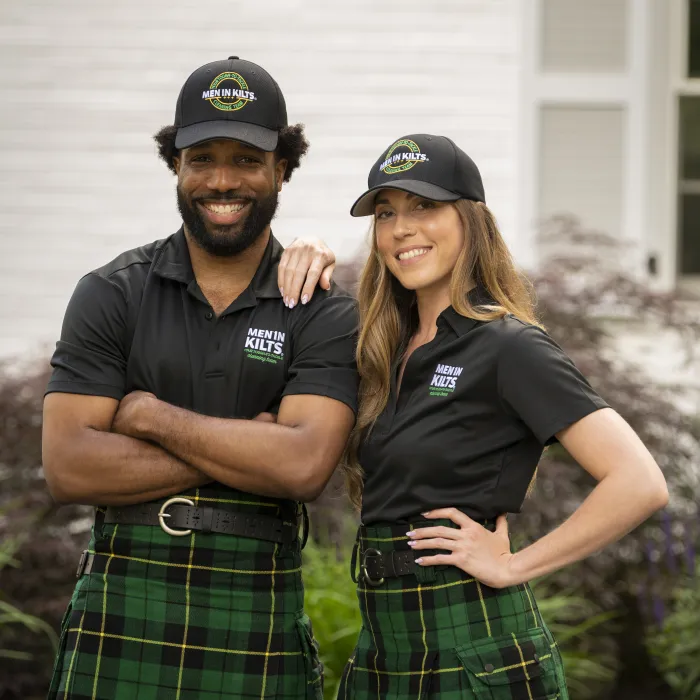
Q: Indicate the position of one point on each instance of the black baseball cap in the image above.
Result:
(430, 166)
(231, 99)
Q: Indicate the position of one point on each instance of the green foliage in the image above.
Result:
(583, 635)
(331, 603)
(676, 647)
(11, 615)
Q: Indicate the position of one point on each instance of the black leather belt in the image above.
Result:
(376, 565)
(179, 516)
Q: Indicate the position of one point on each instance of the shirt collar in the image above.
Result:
(461, 325)
(264, 282)
(174, 263)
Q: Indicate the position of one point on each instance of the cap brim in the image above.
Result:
(251, 134)
(364, 206)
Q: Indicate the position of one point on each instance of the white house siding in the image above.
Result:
(85, 84)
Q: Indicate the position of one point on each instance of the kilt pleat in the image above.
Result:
(443, 634)
(201, 617)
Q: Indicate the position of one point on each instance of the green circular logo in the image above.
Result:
(229, 92)
(402, 156)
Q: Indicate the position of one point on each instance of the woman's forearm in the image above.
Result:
(616, 505)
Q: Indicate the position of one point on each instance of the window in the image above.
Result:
(581, 162)
(584, 35)
(689, 151)
(694, 39)
(689, 186)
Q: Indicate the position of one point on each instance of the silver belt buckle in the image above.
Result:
(162, 515)
(370, 581)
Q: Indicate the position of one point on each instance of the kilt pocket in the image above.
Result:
(312, 661)
(511, 667)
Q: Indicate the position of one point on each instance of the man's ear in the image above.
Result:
(176, 164)
(280, 170)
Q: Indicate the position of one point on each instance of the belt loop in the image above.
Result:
(81, 564)
(99, 521)
(354, 575)
(304, 525)
(207, 518)
(425, 574)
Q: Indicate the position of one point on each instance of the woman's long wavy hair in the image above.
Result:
(388, 317)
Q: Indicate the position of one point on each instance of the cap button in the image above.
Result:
(230, 58)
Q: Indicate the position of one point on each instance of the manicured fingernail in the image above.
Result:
(305, 298)
(411, 543)
(291, 304)
(410, 534)
(419, 561)
(282, 291)
(426, 513)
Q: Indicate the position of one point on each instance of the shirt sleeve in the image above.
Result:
(540, 384)
(323, 351)
(90, 357)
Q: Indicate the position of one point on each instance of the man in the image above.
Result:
(191, 584)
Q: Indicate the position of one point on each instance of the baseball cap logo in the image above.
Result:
(402, 156)
(229, 92)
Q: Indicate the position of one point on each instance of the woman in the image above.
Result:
(461, 389)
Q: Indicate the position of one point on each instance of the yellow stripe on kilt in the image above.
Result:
(420, 588)
(532, 606)
(160, 642)
(483, 607)
(104, 613)
(202, 568)
(411, 673)
(385, 539)
(425, 643)
(513, 666)
(73, 655)
(272, 623)
(187, 608)
(238, 501)
(371, 630)
(523, 664)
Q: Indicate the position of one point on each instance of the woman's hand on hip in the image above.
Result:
(483, 554)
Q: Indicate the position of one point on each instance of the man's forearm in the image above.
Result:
(258, 457)
(101, 468)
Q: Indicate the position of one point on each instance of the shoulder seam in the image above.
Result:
(110, 282)
(525, 326)
(136, 262)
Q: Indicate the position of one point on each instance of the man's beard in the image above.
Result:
(225, 241)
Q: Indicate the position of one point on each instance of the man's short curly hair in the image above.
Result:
(291, 146)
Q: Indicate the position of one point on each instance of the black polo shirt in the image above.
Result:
(475, 408)
(141, 322)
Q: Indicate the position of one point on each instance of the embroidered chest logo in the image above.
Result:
(444, 380)
(264, 346)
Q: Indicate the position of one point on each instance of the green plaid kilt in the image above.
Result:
(201, 617)
(442, 634)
